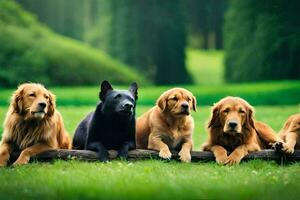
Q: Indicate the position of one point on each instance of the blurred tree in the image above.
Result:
(150, 35)
(205, 22)
(70, 18)
(262, 40)
(29, 51)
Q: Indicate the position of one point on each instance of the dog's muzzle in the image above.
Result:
(185, 109)
(127, 109)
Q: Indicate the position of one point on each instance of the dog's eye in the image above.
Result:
(32, 95)
(117, 96)
(46, 97)
(174, 98)
(189, 99)
(225, 111)
(242, 112)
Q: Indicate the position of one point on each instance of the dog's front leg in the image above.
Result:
(100, 149)
(27, 153)
(185, 152)
(123, 151)
(219, 152)
(290, 142)
(240, 152)
(5, 149)
(156, 143)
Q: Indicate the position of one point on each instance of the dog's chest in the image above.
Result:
(174, 137)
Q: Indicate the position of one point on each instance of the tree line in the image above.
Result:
(260, 37)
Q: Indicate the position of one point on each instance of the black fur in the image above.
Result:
(111, 125)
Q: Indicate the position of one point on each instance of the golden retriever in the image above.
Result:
(32, 124)
(290, 134)
(232, 128)
(168, 125)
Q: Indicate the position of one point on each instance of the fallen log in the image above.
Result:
(141, 154)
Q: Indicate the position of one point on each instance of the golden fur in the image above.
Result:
(32, 124)
(168, 125)
(290, 134)
(247, 135)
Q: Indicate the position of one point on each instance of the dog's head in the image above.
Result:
(232, 114)
(33, 101)
(177, 101)
(120, 102)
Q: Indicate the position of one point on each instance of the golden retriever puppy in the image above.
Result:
(168, 125)
(290, 134)
(32, 124)
(232, 128)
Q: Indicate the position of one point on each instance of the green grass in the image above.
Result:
(203, 65)
(150, 180)
(266, 93)
(153, 179)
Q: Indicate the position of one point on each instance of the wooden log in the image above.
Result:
(140, 154)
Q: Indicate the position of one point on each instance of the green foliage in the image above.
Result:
(205, 23)
(53, 13)
(151, 36)
(262, 40)
(31, 52)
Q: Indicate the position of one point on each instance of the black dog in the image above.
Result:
(111, 125)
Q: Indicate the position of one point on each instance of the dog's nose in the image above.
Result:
(42, 104)
(232, 124)
(128, 105)
(185, 106)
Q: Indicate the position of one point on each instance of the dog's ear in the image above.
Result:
(133, 88)
(250, 116)
(194, 104)
(52, 104)
(162, 101)
(105, 87)
(215, 120)
(16, 100)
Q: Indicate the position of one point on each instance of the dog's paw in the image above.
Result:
(287, 149)
(233, 160)
(185, 156)
(21, 161)
(2, 163)
(278, 146)
(123, 155)
(283, 147)
(165, 153)
(104, 159)
(221, 159)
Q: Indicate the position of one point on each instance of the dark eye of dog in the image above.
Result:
(174, 98)
(226, 111)
(46, 97)
(188, 99)
(32, 95)
(117, 96)
(242, 112)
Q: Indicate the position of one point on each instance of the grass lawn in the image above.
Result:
(203, 65)
(153, 179)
